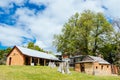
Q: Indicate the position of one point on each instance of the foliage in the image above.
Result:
(90, 33)
(3, 54)
(31, 45)
(45, 73)
(84, 34)
(116, 40)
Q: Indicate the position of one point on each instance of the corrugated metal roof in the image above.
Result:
(34, 53)
(99, 59)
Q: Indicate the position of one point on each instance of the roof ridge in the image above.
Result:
(30, 49)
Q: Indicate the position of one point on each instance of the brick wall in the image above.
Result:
(94, 68)
(102, 69)
(77, 67)
(88, 68)
(15, 58)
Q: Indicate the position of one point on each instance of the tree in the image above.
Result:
(85, 25)
(101, 31)
(83, 33)
(116, 40)
(65, 42)
(3, 54)
(108, 52)
(31, 45)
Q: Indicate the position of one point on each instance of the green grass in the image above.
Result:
(45, 73)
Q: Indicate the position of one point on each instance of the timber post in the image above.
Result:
(38, 61)
(30, 60)
(44, 62)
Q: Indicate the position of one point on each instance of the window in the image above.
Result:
(101, 66)
(107, 66)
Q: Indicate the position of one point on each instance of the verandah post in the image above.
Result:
(30, 60)
(44, 62)
(38, 61)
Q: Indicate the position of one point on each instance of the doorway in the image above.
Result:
(27, 60)
(82, 67)
(10, 59)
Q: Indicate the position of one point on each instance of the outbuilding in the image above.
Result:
(93, 65)
(24, 56)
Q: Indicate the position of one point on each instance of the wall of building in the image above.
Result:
(102, 69)
(77, 67)
(105, 69)
(88, 68)
(94, 68)
(114, 69)
(15, 58)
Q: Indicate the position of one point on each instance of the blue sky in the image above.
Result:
(22, 21)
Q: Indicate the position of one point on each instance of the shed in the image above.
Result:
(93, 65)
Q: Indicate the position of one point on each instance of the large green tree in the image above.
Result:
(84, 33)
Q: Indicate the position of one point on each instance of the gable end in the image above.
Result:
(13, 49)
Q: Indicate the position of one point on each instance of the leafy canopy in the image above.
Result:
(84, 33)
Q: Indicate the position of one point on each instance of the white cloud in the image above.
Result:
(49, 22)
(40, 44)
(44, 25)
(10, 36)
(6, 3)
(41, 26)
(113, 7)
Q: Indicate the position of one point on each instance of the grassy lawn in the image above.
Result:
(45, 73)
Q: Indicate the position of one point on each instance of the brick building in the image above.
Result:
(92, 65)
(25, 56)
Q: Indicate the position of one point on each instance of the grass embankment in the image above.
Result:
(45, 73)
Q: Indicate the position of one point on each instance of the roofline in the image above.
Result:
(25, 54)
(91, 62)
(98, 61)
(90, 57)
(104, 63)
(13, 49)
(10, 51)
(85, 62)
